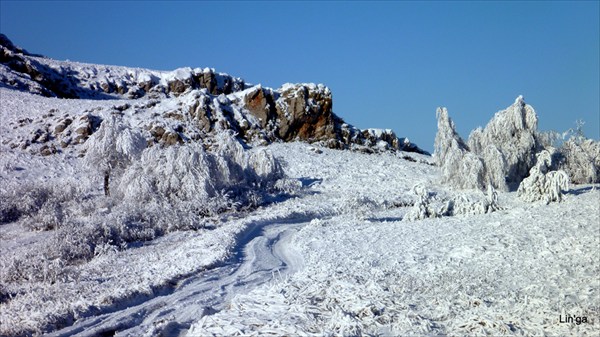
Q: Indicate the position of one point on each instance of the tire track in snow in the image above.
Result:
(261, 255)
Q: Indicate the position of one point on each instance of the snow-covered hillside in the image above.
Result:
(136, 202)
(182, 105)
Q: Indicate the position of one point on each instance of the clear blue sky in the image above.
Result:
(388, 64)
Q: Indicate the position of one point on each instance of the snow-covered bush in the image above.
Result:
(460, 168)
(512, 132)
(203, 182)
(423, 208)
(580, 160)
(495, 167)
(430, 205)
(447, 141)
(112, 148)
(464, 204)
(492, 199)
(42, 205)
(359, 207)
(499, 155)
(542, 184)
(20, 199)
(166, 189)
(550, 139)
(572, 152)
(51, 215)
(288, 185)
(174, 174)
(264, 166)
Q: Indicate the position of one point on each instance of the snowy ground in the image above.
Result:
(336, 258)
(512, 272)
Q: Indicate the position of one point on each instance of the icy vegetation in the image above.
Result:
(504, 153)
(112, 148)
(460, 167)
(136, 202)
(542, 184)
(430, 205)
(581, 160)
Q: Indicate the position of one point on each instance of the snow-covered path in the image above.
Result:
(266, 253)
(262, 254)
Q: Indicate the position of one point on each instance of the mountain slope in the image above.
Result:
(191, 104)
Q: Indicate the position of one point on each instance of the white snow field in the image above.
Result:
(339, 260)
(328, 249)
(518, 271)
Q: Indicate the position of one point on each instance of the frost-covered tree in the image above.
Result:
(581, 160)
(174, 172)
(206, 182)
(113, 147)
(495, 167)
(512, 132)
(572, 152)
(543, 184)
(238, 165)
(447, 141)
(550, 138)
(499, 155)
(504, 152)
(460, 168)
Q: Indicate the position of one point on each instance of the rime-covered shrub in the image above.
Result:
(239, 165)
(492, 200)
(112, 148)
(41, 205)
(572, 152)
(359, 207)
(190, 178)
(460, 168)
(429, 205)
(549, 139)
(495, 166)
(288, 185)
(165, 189)
(542, 184)
(513, 133)
(580, 160)
(447, 141)
(464, 204)
(264, 166)
(21, 199)
(424, 207)
(175, 173)
(592, 148)
(499, 155)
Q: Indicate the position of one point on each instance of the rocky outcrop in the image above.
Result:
(260, 103)
(29, 72)
(304, 111)
(301, 112)
(206, 102)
